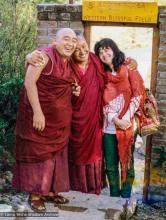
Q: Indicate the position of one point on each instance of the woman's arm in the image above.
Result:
(137, 87)
(111, 112)
(121, 123)
(133, 107)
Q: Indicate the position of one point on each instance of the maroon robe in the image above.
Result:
(36, 151)
(54, 91)
(85, 145)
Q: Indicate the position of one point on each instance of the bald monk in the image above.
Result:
(43, 125)
(85, 144)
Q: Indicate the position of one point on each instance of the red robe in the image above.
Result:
(54, 90)
(42, 157)
(85, 144)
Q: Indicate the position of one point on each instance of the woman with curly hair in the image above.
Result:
(122, 98)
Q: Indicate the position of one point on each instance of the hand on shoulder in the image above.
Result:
(37, 58)
(131, 63)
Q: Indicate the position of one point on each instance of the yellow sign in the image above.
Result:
(120, 11)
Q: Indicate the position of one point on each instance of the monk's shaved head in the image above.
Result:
(65, 42)
(81, 53)
(64, 31)
(80, 37)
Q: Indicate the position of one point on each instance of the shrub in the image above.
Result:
(9, 93)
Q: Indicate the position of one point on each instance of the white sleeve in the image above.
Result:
(114, 107)
(133, 107)
(110, 111)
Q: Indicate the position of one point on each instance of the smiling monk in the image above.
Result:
(85, 145)
(43, 125)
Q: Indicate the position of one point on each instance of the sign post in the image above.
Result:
(120, 11)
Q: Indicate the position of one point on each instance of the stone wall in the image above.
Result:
(53, 16)
(157, 188)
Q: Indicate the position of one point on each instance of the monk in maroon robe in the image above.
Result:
(85, 144)
(43, 125)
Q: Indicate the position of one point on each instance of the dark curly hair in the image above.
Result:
(119, 56)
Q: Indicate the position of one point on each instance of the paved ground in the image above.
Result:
(81, 207)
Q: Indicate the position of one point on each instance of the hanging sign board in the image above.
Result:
(120, 11)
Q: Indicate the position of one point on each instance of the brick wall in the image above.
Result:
(52, 17)
(157, 188)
